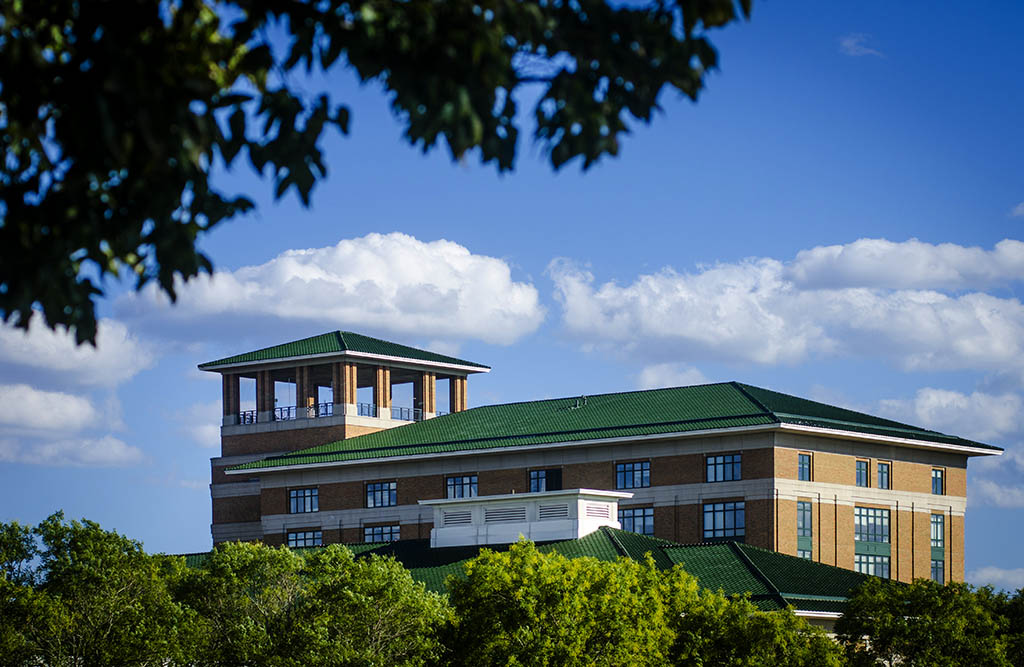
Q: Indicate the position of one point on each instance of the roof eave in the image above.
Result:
(902, 442)
(214, 367)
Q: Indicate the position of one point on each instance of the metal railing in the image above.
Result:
(247, 417)
(407, 414)
(441, 413)
(366, 409)
(286, 413)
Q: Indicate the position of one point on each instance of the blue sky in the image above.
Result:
(839, 217)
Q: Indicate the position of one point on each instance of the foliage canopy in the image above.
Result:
(117, 115)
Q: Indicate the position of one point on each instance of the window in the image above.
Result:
(803, 519)
(804, 553)
(632, 475)
(870, 525)
(303, 500)
(381, 494)
(876, 565)
(938, 481)
(305, 538)
(637, 520)
(939, 571)
(545, 480)
(938, 531)
(724, 520)
(862, 473)
(724, 468)
(463, 486)
(803, 467)
(883, 475)
(381, 533)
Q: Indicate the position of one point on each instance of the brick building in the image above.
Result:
(717, 462)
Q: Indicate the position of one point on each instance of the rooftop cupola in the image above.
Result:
(337, 378)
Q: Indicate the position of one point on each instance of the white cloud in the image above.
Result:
(1018, 211)
(669, 375)
(28, 408)
(988, 492)
(381, 282)
(1006, 579)
(855, 44)
(976, 415)
(753, 311)
(201, 422)
(52, 357)
(106, 451)
(879, 263)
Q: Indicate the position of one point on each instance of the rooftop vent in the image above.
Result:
(541, 517)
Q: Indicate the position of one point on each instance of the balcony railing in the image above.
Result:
(290, 412)
(407, 414)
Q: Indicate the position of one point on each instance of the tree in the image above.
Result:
(522, 607)
(924, 623)
(117, 115)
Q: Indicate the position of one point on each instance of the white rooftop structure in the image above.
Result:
(542, 517)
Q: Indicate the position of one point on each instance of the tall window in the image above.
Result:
(870, 524)
(462, 486)
(303, 500)
(803, 519)
(545, 480)
(938, 531)
(883, 475)
(381, 494)
(725, 468)
(939, 571)
(305, 538)
(862, 473)
(938, 481)
(876, 565)
(637, 520)
(803, 467)
(381, 533)
(724, 520)
(632, 475)
(805, 553)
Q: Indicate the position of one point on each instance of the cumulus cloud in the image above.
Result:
(669, 375)
(381, 282)
(856, 44)
(106, 451)
(976, 415)
(1011, 579)
(28, 408)
(879, 263)
(201, 423)
(1018, 211)
(42, 355)
(989, 492)
(754, 311)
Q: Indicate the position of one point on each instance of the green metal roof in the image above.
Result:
(337, 342)
(620, 415)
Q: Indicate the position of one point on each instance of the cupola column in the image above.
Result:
(343, 386)
(264, 396)
(382, 391)
(305, 397)
(424, 394)
(230, 400)
(457, 398)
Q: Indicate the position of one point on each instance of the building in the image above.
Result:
(717, 462)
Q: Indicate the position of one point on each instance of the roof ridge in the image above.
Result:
(621, 548)
(740, 387)
(757, 572)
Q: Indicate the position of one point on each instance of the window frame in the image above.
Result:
(646, 519)
(937, 520)
(804, 473)
(866, 466)
(941, 563)
(387, 493)
(307, 496)
(462, 486)
(941, 478)
(736, 508)
(870, 563)
(876, 526)
(622, 475)
(804, 518)
(393, 528)
(540, 480)
(887, 465)
(315, 536)
(723, 467)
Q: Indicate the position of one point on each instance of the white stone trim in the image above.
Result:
(843, 494)
(235, 489)
(903, 442)
(397, 362)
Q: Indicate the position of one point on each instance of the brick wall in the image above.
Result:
(236, 510)
(289, 440)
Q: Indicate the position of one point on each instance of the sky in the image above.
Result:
(840, 217)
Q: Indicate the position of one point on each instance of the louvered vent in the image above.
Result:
(504, 514)
(553, 512)
(598, 511)
(458, 518)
